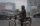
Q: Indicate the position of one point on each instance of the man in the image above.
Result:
(23, 15)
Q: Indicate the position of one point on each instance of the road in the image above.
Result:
(35, 22)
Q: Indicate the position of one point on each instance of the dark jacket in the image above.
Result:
(23, 13)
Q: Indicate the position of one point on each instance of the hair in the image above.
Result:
(23, 7)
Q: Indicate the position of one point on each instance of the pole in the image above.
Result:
(9, 23)
(30, 8)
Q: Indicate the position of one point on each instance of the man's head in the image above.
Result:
(23, 7)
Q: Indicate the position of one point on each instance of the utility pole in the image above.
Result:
(30, 8)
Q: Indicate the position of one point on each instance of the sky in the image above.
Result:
(18, 3)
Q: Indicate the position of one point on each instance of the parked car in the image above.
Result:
(36, 15)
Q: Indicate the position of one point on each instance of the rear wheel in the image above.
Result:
(27, 23)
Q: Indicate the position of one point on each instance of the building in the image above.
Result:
(34, 3)
(7, 9)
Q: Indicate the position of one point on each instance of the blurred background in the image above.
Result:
(12, 7)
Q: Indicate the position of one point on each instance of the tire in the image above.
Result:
(27, 23)
(11, 23)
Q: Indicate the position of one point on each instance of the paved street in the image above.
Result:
(35, 22)
(4, 23)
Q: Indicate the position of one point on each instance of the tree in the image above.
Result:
(17, 11)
